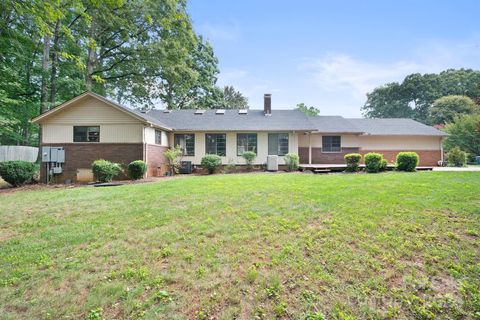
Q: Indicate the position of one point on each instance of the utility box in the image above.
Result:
(272, 163)
(53, 154)
(45, 154)
(477, 158)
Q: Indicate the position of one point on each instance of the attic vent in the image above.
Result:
(243, 111)
(221, 111)
(199, 111)
(167, 111)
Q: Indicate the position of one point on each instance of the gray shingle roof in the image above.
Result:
(286, 120)
(333, 124)
(389, 127)
(254, 120)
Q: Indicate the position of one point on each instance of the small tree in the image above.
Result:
(292, 160)
(457, 158)
(464, 133)
(211, 162)
(352, 160)
(174, 157)
(249, 157)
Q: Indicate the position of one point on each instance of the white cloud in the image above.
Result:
(352, 78)
(337, 83)
(340, 72)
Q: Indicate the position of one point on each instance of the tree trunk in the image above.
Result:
(91, 56)
(53, 73)
(45, 65)
(44, 87)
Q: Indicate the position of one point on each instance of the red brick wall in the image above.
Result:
(157, 165)
(427, 157)
(81, 156)
(319, 157)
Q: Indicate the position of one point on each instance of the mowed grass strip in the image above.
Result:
(296, 246)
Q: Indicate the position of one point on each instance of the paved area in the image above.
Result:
(467, 168)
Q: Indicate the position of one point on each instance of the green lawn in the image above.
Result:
(258, 246)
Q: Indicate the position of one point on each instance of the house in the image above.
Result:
(91, 127)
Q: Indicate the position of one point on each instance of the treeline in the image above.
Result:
(418, 97)
(137, 52)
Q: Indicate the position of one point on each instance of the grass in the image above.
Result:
(296, 246)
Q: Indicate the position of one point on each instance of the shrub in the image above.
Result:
(292, 160)
(105, 171)
(407, 161)
(174, 157)
(383, 165)
(249, 157)
(352, 160)
(211, 162)
(373, 162)
(17, 173)
(456, 157)
(136, 169)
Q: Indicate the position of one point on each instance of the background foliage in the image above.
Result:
(139, 53)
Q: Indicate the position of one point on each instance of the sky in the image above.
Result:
(329, 54)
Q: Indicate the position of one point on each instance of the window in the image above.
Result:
(216, 144)
(186, 142)
(331, 144)
(86, 134)
(246, 142)
(278, 144)
(158, 137)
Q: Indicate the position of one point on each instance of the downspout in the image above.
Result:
(309, 148)
(441, 150)
(145, 150)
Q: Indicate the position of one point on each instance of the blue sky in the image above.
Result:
(329, 54)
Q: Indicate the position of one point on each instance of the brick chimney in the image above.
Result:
(267, 104)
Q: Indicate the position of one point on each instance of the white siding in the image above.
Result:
(150, 136)
(90, 111)
(109, 133)
(115, 126)
(348, 140)
(231, 148)
(399, 143)
(366, 142)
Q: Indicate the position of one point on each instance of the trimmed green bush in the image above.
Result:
(105, 171)
(211, 162)
(292, 160)
(457, 158)
(383, 165)
(249, 157)
(352, 160)
(18, 173)
(407, 161)
(136, 169)
(373, 162)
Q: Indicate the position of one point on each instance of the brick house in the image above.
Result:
(91, 127)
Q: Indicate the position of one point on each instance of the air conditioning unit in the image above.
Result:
(272, 163)
(185, 167)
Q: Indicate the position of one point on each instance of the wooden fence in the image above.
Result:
(9, 153)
